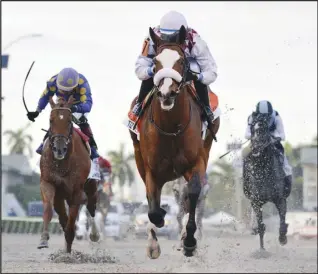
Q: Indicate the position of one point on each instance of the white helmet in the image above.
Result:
(172, 22)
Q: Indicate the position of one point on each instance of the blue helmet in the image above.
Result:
(67, 79)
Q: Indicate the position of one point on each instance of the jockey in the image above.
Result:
(276, 128)
(197, 53)
(69, 82)
(105, 170)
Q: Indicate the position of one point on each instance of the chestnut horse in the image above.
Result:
(170, 143)
(65, 166)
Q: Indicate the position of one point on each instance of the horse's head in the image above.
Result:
(170, 66)
(261, 136)
(61, 127)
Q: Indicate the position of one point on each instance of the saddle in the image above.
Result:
(84, 138)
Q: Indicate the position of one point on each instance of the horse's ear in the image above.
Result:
(154, 37)
(182, 35)
(52, 102)
(70, 100)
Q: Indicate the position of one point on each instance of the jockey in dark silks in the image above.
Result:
(276, 128)
(69, 82)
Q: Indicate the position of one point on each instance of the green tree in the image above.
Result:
(122, 170)
(19, 141)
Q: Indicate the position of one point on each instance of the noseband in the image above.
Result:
(70, 130)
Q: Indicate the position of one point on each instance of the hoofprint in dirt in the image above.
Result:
(217, 254)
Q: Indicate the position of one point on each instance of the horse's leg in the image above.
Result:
(59, 207)
(91, 192)
(282, 208)
(194, 189)
(257, 207)
(47, 193)
(182, 209)
(199, 216)
(155, 214)
(183, 214)
(69, 231)
(153, 189)
(153, 247)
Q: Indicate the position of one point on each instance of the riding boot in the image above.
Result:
(40, 148)
(202, 91)
(146, 87)
(86, 129)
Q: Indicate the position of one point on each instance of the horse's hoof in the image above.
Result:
(189, 250)
(43, 244)
(283, 239)
(94, 237)
(153, 249)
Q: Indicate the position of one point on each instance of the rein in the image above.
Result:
(172, 134)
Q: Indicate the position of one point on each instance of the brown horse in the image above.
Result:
(171, 143)
(65, 166)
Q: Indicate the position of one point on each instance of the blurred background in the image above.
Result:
(264, 51)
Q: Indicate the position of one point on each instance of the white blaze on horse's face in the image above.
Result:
(61, 117)
(167, 58)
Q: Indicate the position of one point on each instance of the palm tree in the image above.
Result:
(121, 167)
(19, 140)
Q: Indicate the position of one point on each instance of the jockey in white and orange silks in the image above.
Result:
(197, 53)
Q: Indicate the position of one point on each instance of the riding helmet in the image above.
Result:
(264, 107)
(67, 79)
(171, 22)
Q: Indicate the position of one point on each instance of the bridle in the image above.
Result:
(182, 84)
(68, 138)
(184, 61)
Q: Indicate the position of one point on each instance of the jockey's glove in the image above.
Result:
(194, 76)
(32, 115)
(74, 108)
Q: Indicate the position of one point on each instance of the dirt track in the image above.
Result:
(226, 254)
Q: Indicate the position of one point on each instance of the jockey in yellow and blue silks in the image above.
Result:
(69, 82)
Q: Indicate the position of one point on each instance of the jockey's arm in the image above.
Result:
(144, 61)
(45, 97)
(279, 131)
(203, 56)
(86, 100)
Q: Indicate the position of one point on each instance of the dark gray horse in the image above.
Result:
(180, 191)
(263, 177)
